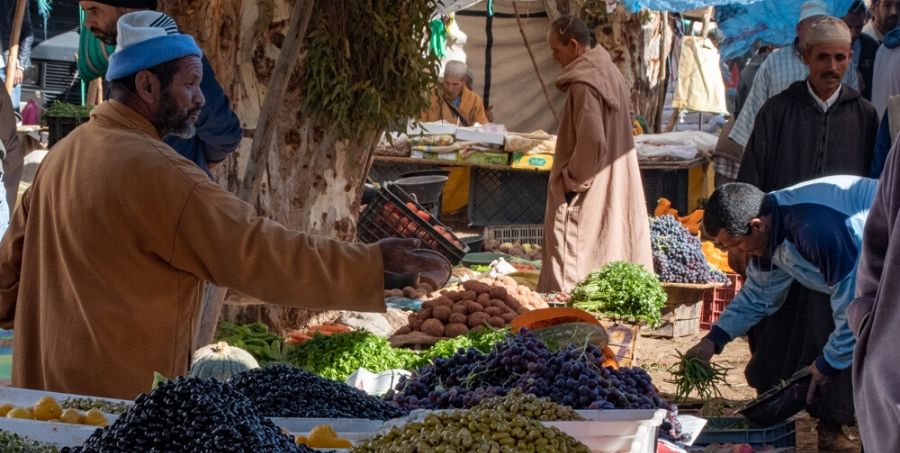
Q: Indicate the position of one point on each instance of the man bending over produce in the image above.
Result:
(810, 233)
(102, 267)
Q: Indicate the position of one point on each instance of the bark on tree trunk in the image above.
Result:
(313, 182)
(633, 41)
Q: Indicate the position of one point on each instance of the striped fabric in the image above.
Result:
(782, 68)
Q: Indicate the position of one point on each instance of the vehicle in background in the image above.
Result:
(53, 74)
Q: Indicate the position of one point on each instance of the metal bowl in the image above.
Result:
(779, 403)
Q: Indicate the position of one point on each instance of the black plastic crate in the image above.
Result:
(60, 126)
(507, 197)
(389, 216)
(736, 430)
(671, 184)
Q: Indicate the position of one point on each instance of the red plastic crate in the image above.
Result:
(715, 300)
(388, 216)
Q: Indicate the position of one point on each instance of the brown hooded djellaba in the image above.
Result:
(596, 211)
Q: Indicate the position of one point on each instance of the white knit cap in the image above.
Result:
(812, 8)
(147, 39)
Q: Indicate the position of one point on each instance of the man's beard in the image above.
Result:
(175, 122)
(106, 38)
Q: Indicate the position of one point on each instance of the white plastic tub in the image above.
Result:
(616, 431)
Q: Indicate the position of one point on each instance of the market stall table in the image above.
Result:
(502, 195)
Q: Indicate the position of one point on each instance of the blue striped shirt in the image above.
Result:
(782, 68)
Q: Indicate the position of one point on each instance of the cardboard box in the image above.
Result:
(487, 158)
(452, 156)
(432, 128)
(532, 161)
(494, 135)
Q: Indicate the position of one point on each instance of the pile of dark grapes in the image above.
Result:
(677, 254)
(285, 391)
(572, 377)
(190, 414)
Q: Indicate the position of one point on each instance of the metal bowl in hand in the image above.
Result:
(779, 403)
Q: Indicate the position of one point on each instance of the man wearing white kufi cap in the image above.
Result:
(816, 127)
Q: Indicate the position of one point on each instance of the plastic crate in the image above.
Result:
(716, 299)
(388, 216)
(718, 430)
(670, 184)
(504, 197)
(526, 234)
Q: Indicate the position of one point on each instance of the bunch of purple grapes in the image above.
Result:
(571, 376)
(678, 255)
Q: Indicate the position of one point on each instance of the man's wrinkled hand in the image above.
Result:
(703, 350)
(817, 385)
(18, 77)
(397, 257)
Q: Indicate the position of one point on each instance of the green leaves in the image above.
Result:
(339, 355)
(694, 375)
(265, 346)
(368, 64)
(622, 290)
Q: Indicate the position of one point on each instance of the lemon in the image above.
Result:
(20, 412)
(95, 417)
(47, 408)
(5, 408)
(73, 416)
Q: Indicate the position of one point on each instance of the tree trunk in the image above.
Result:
(313, 182)
(633, 41)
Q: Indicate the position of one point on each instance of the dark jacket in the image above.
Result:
(793, 140)
(218, 128)
(868, 49)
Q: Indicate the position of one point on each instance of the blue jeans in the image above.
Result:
(16, 94)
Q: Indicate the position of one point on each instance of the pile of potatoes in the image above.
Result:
(473, 305)
(421, 291)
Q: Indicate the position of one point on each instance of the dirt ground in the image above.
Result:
(658, 355)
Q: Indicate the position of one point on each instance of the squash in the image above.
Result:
(220, 361)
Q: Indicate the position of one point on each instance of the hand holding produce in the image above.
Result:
(692, 374)
(703, 350)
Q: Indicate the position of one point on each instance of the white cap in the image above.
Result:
(812, 8)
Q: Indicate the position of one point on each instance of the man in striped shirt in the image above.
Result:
(782, 68)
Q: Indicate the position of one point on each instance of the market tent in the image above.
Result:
(515, 91)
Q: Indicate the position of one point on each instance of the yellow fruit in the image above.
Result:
(95, 417)
(73, 416)
(321, 433)
(47, 409)
(5, 408)
(301, 440)
(20, 412)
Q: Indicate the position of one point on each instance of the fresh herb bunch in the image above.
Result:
(622, 290)
(694, 375)
(340, 355)
(265, 346)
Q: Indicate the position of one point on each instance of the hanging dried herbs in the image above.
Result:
(368, 65)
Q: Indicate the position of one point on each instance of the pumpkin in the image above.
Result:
(221, 361)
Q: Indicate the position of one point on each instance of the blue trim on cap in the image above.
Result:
(149, 53)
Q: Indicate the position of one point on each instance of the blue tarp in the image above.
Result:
(744, 21)
(679, 6)
(769, 21)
